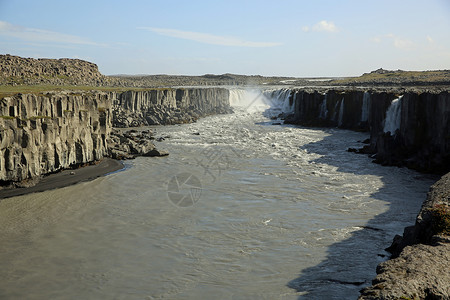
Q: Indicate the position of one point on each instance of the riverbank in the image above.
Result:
(67, 177)
(421, 257)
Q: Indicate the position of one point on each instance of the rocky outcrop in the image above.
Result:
(420, 272)
(15, 70)
(167, 106)
(421, 134)
(131, 143)
(44, 133)
(421, 257)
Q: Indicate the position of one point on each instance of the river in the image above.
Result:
(240, 209)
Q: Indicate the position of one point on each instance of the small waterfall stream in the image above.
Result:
(393, 116)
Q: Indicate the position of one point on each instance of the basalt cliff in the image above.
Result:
(167, 106)
(41, 133)
(410, 129)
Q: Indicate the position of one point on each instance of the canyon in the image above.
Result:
(45, 131)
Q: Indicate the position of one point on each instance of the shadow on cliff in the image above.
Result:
(350, 264)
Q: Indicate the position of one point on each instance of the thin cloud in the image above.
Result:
(40, 35)
(207, 38)
(397, 42)
(324, 26)
(401, 43)
(376, 39)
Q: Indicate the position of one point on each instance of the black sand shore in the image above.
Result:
(66, 178)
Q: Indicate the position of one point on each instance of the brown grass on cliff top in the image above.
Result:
(430, 77)
(9, 90)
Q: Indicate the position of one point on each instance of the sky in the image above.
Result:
(271, 38)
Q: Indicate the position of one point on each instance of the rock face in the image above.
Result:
(17, 70)
(47, 132)
(420, 272)
(167, 106)
(421, 263)
(416, 134)
(44, 133)
(422, 139)
(333, 108)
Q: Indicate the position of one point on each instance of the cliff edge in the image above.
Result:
(420, 265)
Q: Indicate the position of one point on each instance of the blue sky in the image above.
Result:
(284, 37)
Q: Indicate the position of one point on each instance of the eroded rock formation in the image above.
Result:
(44, 133)
(167, 106)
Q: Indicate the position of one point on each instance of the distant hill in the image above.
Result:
(383, 77)
(15, 70)
(183, 80)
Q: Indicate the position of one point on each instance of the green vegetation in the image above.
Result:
(39, 117)
(408, 298)
(26, 119)
(441, 219)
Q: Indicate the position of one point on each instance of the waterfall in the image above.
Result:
(365, 107)
(236, 96)
(393, 116)
(288, 102)
(323, 108)
(281, 99)
(254, 99)
(341, 113)
(249, 99)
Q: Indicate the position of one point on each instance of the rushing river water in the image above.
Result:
(241, 209)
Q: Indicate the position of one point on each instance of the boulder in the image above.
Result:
(156, 152)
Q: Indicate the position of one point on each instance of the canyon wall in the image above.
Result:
(415, 133)
(167, 106)
(43, 133)
(46, 132)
